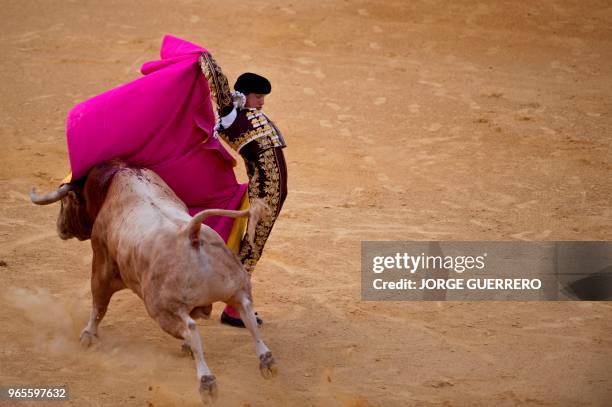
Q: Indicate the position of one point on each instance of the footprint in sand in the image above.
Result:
(345, 117)
(482, 224)
(124, 26)
(303, 61)
(524, 205)
(28, 36)
(366, 140)
(38, 236)
(357, 191)
(319, 74)
(41, 97)
(380, 101)
(451, 205)
(561, 67)
(542, 235)
(493, 50)
(442, 93)
(548, 131)
(434, 127)
(504, 199)
(429, 83)
(470, 67)
(368, 159)
(287, 10)
(284, 267)
(333, 106)
(522, 235)
(531, 235)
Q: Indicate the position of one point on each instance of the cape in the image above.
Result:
(163, 121)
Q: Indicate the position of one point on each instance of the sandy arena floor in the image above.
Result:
(421, 120)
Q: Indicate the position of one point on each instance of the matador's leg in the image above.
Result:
(267, 181)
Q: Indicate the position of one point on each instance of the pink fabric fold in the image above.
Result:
(163, 121)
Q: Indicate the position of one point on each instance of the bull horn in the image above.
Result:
(51, 196)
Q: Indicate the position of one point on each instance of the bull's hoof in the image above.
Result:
(186, 350)
(208, 389)
(86, 339)
(267, 366)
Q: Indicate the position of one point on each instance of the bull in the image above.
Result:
(144, 239)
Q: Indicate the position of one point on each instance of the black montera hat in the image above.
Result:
(252, 83)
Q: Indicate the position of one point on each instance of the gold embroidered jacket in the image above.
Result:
(247, 130)
(252, 132)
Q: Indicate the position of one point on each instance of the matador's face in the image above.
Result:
(255, 100)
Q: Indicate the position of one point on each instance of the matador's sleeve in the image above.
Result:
(218, 84)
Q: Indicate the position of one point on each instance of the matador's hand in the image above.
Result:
(217, 81)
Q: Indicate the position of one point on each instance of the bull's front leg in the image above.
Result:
(267, 365)
(91, 330)
(104, 284)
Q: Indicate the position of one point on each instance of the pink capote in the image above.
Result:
(160, 121)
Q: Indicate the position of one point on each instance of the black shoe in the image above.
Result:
(237, 322)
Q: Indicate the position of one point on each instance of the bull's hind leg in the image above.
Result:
(186, 329)
(104, 283)
(267, 366)
(202, 312)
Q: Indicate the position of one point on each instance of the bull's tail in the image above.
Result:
(256, 211)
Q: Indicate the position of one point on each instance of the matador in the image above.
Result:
(246, 129)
